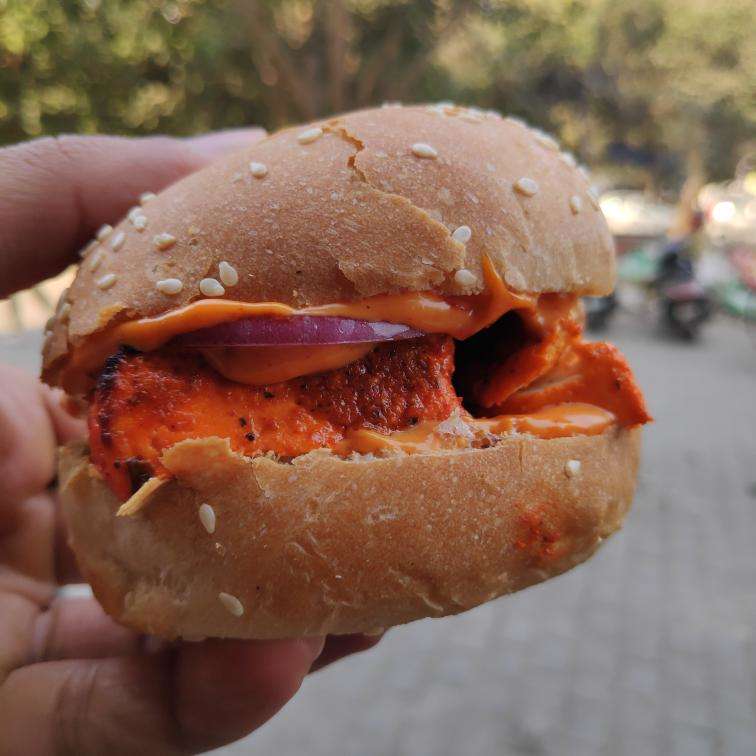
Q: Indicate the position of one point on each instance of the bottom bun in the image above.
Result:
(326, 545)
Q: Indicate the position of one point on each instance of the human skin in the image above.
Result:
(71, 679)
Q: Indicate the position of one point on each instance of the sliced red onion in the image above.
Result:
(295, 330)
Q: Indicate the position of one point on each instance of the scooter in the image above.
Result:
(670, 284)
(684, 304)
(599, 310)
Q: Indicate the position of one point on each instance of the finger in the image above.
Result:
(27, 538)
(66, 426)
(55, 192)
(251, 682)
(32, 423)
(74, 628)
(198, 697)
(66, 568)
(27, 438)
(20, 601)
(33, 541)
(218, 143)
(338, 646)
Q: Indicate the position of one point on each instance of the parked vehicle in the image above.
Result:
(683, 302)
(658, 278)
(599, 310)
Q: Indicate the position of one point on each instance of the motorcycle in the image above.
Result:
(684, 303)
(599, 310)
(667, 280)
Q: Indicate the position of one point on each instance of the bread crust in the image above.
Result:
(326, 545)
(354, 213)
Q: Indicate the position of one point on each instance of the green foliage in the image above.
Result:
(670, 79)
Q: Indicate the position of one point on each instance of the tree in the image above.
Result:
(665, 87)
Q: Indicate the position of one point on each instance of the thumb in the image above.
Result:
(190, 699)
(219, 143)
(56, 192)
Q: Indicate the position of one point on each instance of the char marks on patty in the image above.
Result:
(145, 403)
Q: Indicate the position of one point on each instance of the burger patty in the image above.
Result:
(145, 402)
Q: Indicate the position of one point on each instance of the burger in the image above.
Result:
(337, 381)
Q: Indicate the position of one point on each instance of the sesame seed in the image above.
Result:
(163, 241)
(465, 277)
(422, 150)
(227, 274)
(145, 197)
(575, 204)
(462, 235)
(207, 517)
(568, 159)
(169, 285)
(545, 140)
(137, 218)
(441, 108)
(96, 259)
(470, 117)
(258, 170)
(84, 252)
(593, 199)
(231, 603)
(117, 241)
(572, 467)
(106, 281)
(211, 288)
(526, 186)
(104, 232)
(310, 135)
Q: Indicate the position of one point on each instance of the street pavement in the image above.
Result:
(647, 649)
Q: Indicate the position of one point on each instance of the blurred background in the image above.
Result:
(649, 648)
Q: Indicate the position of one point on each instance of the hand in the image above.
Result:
(71, 679)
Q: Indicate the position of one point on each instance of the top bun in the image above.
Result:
(351, 206)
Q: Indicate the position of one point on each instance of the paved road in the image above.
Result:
(647, 649)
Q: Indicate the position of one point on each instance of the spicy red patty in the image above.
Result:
(144, 403)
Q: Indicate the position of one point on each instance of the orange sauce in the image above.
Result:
(257, 366)
(558, 421)
(551, 387)
(458, 316)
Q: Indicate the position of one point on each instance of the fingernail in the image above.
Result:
(219, 143)
(314, 645)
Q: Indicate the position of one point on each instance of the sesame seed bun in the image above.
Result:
(326, 545)
(379, 201)
(360, 204)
